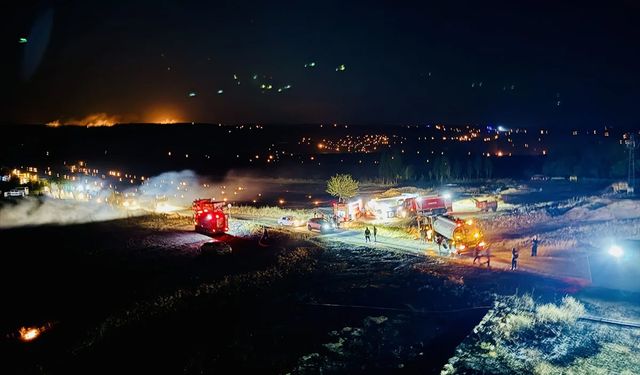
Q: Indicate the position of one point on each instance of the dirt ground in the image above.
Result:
(136, 295)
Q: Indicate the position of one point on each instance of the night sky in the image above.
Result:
(516, 63)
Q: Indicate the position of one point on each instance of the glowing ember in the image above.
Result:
(29, 333)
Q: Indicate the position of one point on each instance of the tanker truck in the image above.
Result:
(457, 235)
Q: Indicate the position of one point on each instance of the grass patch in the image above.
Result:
(568, 312)
(272, 212)
(521, 336)
(297, 262)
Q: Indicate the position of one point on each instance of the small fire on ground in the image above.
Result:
(27, 334)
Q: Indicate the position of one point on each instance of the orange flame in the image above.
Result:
(94, 119)
(29, 333)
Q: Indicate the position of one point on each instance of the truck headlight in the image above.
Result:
(616, 251)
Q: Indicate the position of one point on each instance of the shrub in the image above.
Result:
(515, 323)
(568, 312)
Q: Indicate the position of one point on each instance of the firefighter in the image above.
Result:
(367, 235)
(534, 247)
(375, 234)
(476, 255)
(514, 259)
(488, 255)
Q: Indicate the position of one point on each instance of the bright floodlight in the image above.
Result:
(616, 251)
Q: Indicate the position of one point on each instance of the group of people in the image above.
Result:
(515, 254)
(477, 255)
(367, 234)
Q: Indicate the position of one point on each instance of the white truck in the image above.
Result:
(17, 192)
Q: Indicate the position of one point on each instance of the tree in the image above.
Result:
(391, 168)
(470, 171)
(487, 167)
(441, 168)
(342, 186)
(477, 166)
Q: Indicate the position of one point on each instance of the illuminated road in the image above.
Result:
(572, 267)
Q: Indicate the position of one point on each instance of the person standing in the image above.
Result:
(476, 255)
(514, 259)
(534, 247)
(367, 235)
(488, 255)
(375, 234)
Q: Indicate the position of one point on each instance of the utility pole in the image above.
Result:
(631, 179)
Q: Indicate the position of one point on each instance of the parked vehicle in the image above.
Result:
(210, 216)
(290, 221)
(457, 235)
(17, 192)
(320, 224)
(427, 205)
(486, 205)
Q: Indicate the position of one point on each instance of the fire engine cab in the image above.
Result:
(210, 217)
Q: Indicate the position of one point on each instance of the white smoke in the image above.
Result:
(39, 211)
(92, 199)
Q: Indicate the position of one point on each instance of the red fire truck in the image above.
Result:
(210, 217)
(427, 205)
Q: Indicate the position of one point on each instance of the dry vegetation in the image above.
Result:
(297, 262)
(521, 336)
(271, 212)
(162, 221)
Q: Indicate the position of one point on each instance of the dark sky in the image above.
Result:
(516, 63)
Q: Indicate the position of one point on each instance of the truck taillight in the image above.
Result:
(209, 217)
(217, 216)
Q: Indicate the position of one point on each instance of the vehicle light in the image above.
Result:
(476, 235)
(461, 247)
(226, 229)
(616, 251)
(208, 217)
(217, 216)
(481, 244)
